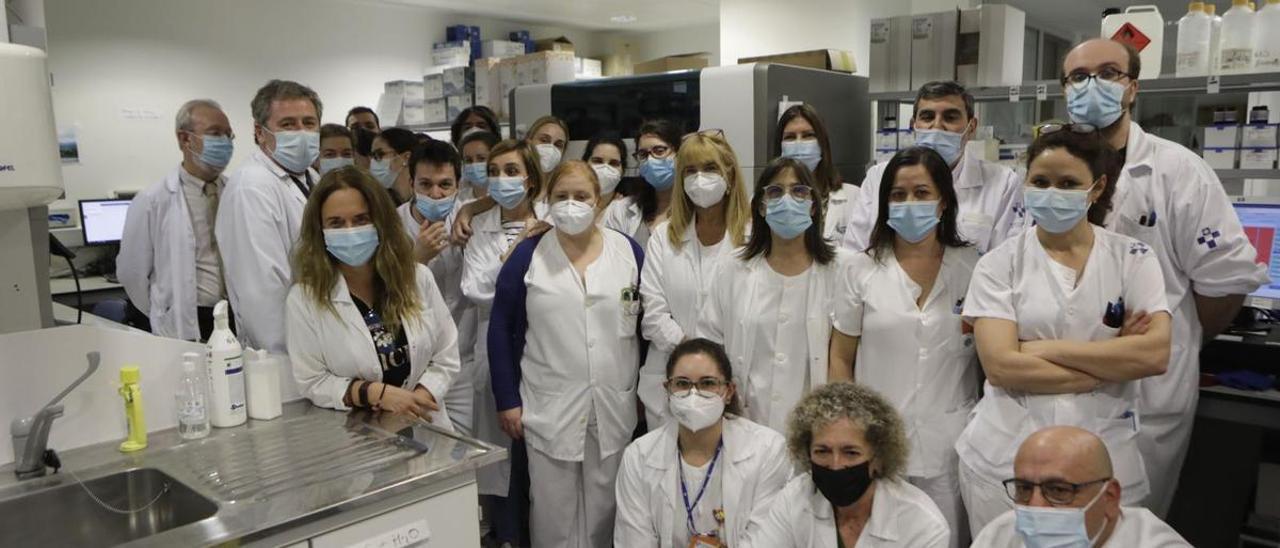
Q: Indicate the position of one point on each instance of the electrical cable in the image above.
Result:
(79, 295)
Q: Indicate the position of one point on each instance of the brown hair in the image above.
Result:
(696, 150)
(394, 267)
(717, 354)
(825, 173)
(532, 169)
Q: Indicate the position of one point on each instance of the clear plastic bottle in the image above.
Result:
(192, 400)
(1193, 41)
(1267, 49)
(1215, 38)
(1238, 26)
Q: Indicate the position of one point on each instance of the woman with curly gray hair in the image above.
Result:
(852, 445)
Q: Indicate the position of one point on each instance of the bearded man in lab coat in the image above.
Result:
(260, 215)
(1169, 198)
(168, 263)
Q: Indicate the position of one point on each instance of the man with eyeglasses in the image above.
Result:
(168, 263)
(989, 194)
(1065, 495)
(1168, 197)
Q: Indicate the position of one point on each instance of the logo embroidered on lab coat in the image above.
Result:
(1138, 248)
(1209, 238)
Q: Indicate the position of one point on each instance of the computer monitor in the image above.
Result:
(102, 221)
(1261, 221)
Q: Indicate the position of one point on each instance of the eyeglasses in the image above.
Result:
(1083, 129)
(657, 151)
(1054, 491)
(715, 133)
(1080, 78)
(681, 386)
(799, 192)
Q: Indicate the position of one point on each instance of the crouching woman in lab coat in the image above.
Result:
(564, 355)
(852, 446)
(699, 478)
(771, 304)
(366, 325)
(1067, 317)
(898, 328)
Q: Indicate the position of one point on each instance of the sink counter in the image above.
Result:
(274, 482)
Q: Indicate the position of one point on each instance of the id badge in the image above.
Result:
(704, 541)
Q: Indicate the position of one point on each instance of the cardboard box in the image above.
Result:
(458, 81)
(508, 81)
(558, 43)
(432, 86)
(826, 59)
(588, 68)
(669, 63)
(501, 49)
(455, 104)
(1258, 136)
(1258, 158)
(435, 111)
(1220, 158)
(1221, 136)
(488, 88)
(545, 67)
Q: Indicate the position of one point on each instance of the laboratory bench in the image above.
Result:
(93, 290)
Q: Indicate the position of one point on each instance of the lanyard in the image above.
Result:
(305, 189)
(706, 480)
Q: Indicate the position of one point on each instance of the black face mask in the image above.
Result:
(844, 486)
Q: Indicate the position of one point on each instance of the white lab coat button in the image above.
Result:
(591, 343)
(780, 357)
(783, 317)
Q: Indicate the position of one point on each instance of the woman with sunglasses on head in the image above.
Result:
(700, 478)
(802, 135)
(898, 328)
(638, 215)
(564, 351)
(708, 220)
(1067, 317)
(771, 303)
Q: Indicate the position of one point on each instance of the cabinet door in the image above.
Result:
(446, 520)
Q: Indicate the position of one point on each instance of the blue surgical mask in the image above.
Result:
(381, 170)
(806, 152)
(477, 173)
(947, 144)
(353, 246)
(1056, 210)
(913, 221)
(660, 173)
(434, 210)
(788, 217)
(216, 153)
(1055, 527)
(330, 164)
(296, 150)
(507, 191)
(1097, 102)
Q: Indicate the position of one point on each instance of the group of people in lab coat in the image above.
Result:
(815, 363)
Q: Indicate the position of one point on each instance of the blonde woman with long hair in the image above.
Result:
(367, 326)
(709, 216)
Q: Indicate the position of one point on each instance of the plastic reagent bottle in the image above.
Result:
(1238, 26)
(192, 400)
(1193, 41)
(225, 369)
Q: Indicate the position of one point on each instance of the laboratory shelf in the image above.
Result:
(1051, 89)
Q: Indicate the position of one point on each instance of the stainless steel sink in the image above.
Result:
(67, 515)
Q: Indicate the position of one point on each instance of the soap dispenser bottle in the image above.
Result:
(225, 368)
(131, 391)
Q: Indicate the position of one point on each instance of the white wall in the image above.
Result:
(152, 55)
(647, 46)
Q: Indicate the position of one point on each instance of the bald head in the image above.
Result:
(1091, 55)
(1065, 453)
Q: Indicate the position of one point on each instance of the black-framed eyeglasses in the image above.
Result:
(799, 192)
(1082, 129)
(657, 151)
(1080, 77)
(681, 386)
(1054, 491)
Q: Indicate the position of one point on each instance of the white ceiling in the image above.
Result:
(649, 15)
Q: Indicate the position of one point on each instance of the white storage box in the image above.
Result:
(501, 49)
(906, 138)
(488, 87)
(451, 57)
(1258, 158)
(435, 111)
(455, 104)
(545, 67)
(588, 68)
(1258, 136)
(432, 86)
(413, 113)
(1221, 136)
(1220, 158)
(458, 81)
(887, 139)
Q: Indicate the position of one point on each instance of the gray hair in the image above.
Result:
(182, 122)
(885, 432)
(279, 90)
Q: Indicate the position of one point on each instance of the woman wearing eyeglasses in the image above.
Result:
(771, 304)
(389, 162)
(638, 215)
(700, 478)
(897, 323)
(1067, 317)
(708, 221)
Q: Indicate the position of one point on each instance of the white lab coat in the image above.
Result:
(259, 220)
(329, 350)
(1017, 282)
(447, 270)
(836, 221)
(724, 319)
(990, 197)
(157, 260)
(624, 215)
(800, 517)
(753, 466)
(1137, 528)
(1168, 197)
(673, 290)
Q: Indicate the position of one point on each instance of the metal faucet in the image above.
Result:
(31, 434)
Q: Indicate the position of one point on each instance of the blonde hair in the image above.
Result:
(883, 428)
(697, 150)
(532, 169)
(572, 166)
(393, 263)
(544, 120)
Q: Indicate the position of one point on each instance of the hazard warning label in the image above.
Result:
(1130, 34)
